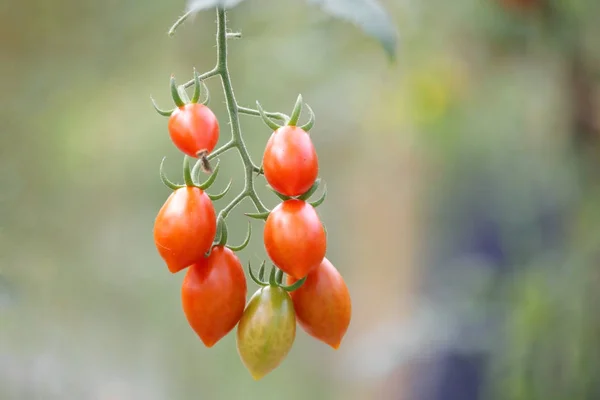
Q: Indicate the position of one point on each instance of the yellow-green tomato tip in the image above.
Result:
(266, 331)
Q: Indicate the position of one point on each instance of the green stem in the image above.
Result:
(237, 140)
(221, 150)
(213, 72)
(251, 111)
(180, 21)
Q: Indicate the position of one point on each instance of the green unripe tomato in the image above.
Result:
(266, 331)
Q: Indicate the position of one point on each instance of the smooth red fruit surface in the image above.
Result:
(267, 331)
(213, 295)
(185, 228)
(194, 127)
(322, 304)
(290, 161)
(294, 238)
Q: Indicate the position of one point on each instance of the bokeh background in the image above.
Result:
(463, 207)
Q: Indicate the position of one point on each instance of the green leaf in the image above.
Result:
(369, 15)
(193, 6)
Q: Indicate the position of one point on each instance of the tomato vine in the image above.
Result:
(188, 232)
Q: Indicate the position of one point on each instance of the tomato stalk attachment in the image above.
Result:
(187, 172)
(203, 161)
(221, 232)
(275, 278)
(188, 177)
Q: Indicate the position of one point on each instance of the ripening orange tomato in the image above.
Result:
(322, 304)
(294, 238)
(185, 228)
(290, 161)
(213, 295)
(193, 128)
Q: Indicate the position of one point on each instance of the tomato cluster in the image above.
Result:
(189, 235)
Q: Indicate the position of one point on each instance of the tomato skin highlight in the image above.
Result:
(294, 238)
(185, 228)
(267, 331)
(194, 127)
(213, 295)
(290, 162)
(322, 304)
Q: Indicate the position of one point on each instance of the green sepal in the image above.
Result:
(196, 170)
(272, 280)
(311, 121)
(197, 87)
(320, 200)
(268, 121)
(246, 240)
(281, 196)
(256, 280)
(207, 98)
(165, 180)
(211, 179)
(262, 216)
(175, 93)
(311, 191)
(219, 196)
(296, 112)
(294, 286)
(223, 232)
(261, 272)
(279, 277)
(162, 112)
(187, 172)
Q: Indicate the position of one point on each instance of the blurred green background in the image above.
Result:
(490, 117)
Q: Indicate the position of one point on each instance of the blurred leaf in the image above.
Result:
(199, 5)
(368, 15)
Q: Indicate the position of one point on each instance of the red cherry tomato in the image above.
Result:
(194, 127)
(185, 228)
(294, 238)
(213, 295)
(267, 331)
(322, 304)
(290, 161)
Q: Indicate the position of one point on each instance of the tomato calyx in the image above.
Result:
(221, 237)
(293, 119)
(190, 177)
(180, 97)
(275, 278)
(305, 196)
